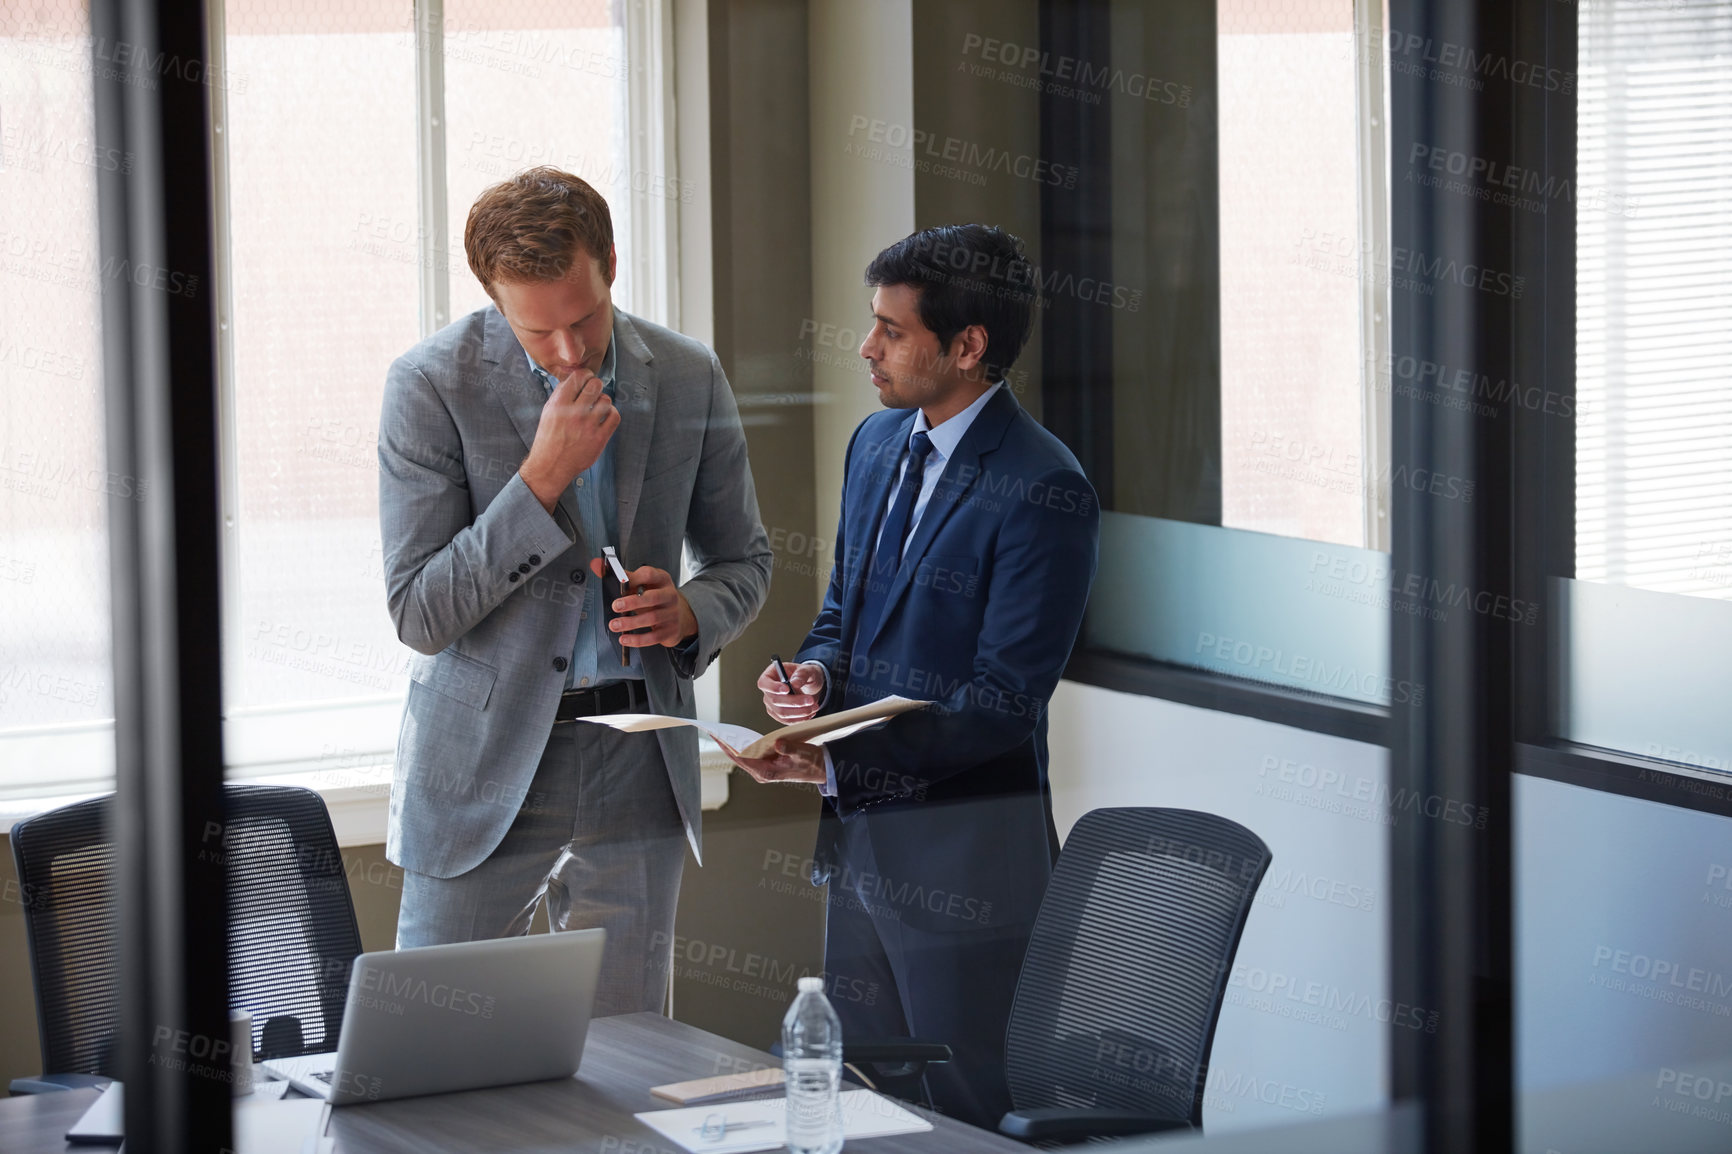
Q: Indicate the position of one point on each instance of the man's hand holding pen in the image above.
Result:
(790, 694)
(794, 697)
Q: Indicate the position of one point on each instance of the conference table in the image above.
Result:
(623, 1057)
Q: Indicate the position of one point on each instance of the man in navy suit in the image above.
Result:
(965, 552)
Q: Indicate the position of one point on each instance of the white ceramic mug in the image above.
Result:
(241, 1052)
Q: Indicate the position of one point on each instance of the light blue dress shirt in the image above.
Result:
(595, 657)
(944, 440)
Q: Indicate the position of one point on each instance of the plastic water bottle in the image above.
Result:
(812, 1062)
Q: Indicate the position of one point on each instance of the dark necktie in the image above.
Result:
(887, 556)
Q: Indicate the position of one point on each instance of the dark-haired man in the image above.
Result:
(514, 446)
(964, 556)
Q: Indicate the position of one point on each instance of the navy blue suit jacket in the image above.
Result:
(980, 618)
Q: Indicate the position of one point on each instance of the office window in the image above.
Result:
(1654, 302)
(535, 82)
(1245, 474)
(55, 681)
(321, 267)
(1648, 617)
(329, 273)
(1299, 291)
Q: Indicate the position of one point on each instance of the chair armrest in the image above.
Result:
(892, 1050)
(1035, 1125)
(895, 1066)
(53, 1083)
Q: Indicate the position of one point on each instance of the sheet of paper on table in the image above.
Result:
(263, 1122)
(277, 1126)
(864, 1115)
(752, 744)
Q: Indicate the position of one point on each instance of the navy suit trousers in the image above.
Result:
(953, 985)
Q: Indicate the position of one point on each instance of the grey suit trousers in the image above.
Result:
(599, 839)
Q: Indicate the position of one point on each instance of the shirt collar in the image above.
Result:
(947, 436)
(606, 371)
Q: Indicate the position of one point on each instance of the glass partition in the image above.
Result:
(1623, 902)
(1285, 611)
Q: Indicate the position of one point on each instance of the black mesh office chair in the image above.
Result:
(1123, 980)
(1124, 977)
(292, 932)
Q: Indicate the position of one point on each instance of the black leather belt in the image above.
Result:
(620, 697)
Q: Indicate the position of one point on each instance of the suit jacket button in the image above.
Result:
(535, 558)
(577, 576)
(511, 576)
(559, 664)
(524, 568)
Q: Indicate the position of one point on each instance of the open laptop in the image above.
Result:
(457, 1017)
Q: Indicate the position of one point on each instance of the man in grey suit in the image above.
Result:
(514, 445)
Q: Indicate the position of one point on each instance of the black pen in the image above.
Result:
(782, 673)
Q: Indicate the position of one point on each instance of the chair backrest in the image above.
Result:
(292, 931)
(1128, 963)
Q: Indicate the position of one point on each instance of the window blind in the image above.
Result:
(1653, 202)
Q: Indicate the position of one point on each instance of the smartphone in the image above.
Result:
(618, 584)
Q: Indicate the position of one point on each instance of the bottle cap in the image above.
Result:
(811, 985)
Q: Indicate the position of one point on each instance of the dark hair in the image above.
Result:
(965, 274)
(534, 225)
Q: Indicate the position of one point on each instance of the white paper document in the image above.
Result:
(764, 1123)
(264, 1123)
(264, 1126)
(750, 743)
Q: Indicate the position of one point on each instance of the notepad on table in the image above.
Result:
(721, 1087)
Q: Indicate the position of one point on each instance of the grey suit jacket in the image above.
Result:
(484, 584)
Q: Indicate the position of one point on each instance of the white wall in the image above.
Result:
(862, 65)
(1623, 912)
(1301, 1032)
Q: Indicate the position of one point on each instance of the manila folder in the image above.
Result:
(749, 743)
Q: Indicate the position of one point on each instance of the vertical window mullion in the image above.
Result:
(652, 161)
(1376, 380)
(222, 288)
(430, 159)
